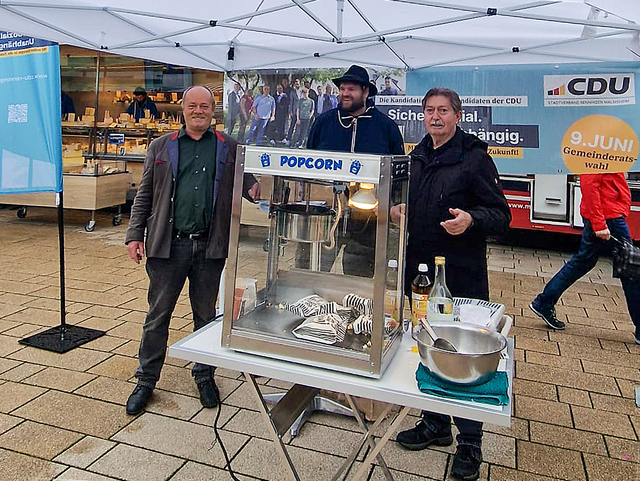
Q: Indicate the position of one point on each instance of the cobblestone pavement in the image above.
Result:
(62, 416)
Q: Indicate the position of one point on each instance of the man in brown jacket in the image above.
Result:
(184, 205)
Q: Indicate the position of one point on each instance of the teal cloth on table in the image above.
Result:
(493, 392)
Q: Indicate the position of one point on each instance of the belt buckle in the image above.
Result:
(193, 236)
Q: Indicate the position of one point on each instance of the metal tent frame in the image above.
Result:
(403, 34)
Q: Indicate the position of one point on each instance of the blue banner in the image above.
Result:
(539, 119)
(30, 115)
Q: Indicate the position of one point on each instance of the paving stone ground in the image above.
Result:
(62, 416)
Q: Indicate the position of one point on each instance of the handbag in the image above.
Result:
(626, 260)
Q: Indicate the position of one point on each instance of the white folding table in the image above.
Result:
(397, 387)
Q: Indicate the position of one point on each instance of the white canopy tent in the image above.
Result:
(405, 34)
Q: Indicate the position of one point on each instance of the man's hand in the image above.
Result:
(460, 223)
(254, 191)
(396, 213)
(136, 251)
(603, 234)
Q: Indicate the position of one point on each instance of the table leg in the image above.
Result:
(292, 475)
(370, 431)
(380, 444)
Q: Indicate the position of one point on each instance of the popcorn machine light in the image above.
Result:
(316, 291)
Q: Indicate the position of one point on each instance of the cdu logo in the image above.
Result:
(355, 167)
(265, 160)
(590, 89)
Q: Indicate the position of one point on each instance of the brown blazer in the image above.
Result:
(153, 206)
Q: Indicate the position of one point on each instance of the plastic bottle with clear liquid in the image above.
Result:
(391, 301)
(440, 302)
(420, 288)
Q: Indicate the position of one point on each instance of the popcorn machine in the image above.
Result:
(316, 287)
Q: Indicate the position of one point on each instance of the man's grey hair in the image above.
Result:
(452, 95)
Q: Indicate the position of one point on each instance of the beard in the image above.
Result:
(356, 104)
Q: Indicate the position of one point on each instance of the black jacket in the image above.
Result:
(370, 133)
(459, 174)
(282, 105)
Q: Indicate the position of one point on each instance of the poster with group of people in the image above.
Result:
(279, 107)
(551, 119)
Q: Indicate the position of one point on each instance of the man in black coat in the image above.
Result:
(455, 202)
(282, 114)
(233, 107)
(355, 127)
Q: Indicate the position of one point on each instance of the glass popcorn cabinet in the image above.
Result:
(322, 283)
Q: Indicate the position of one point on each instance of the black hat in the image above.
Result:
(139, 91)
(358, 75)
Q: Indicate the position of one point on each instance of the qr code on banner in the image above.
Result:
(18, 113)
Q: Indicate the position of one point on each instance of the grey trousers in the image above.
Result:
(166, 280)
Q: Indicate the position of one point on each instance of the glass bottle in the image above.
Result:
(440, 303)
(420, 288)
(391, 300)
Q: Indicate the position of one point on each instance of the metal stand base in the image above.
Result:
(294, 407)
(62, 338)
(319, 403)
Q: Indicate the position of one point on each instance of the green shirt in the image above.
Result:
(306, 108)
(194, 189)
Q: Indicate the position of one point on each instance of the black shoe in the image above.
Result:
(549, 317)
(421, 437)
(138, 399)
(209, 394)
(466, 462)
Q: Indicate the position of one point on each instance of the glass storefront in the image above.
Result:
(98, 135)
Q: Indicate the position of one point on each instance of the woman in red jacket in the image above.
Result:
(606, 202)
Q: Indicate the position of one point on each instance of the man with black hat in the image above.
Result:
(141, 102)
(355, 126)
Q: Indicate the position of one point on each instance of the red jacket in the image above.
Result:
(604, 196)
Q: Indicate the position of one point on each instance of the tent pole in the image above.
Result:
(96, 102)
(340, 7)
(63, 309)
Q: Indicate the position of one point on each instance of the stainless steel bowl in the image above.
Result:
(477, 357)
(303, 223)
